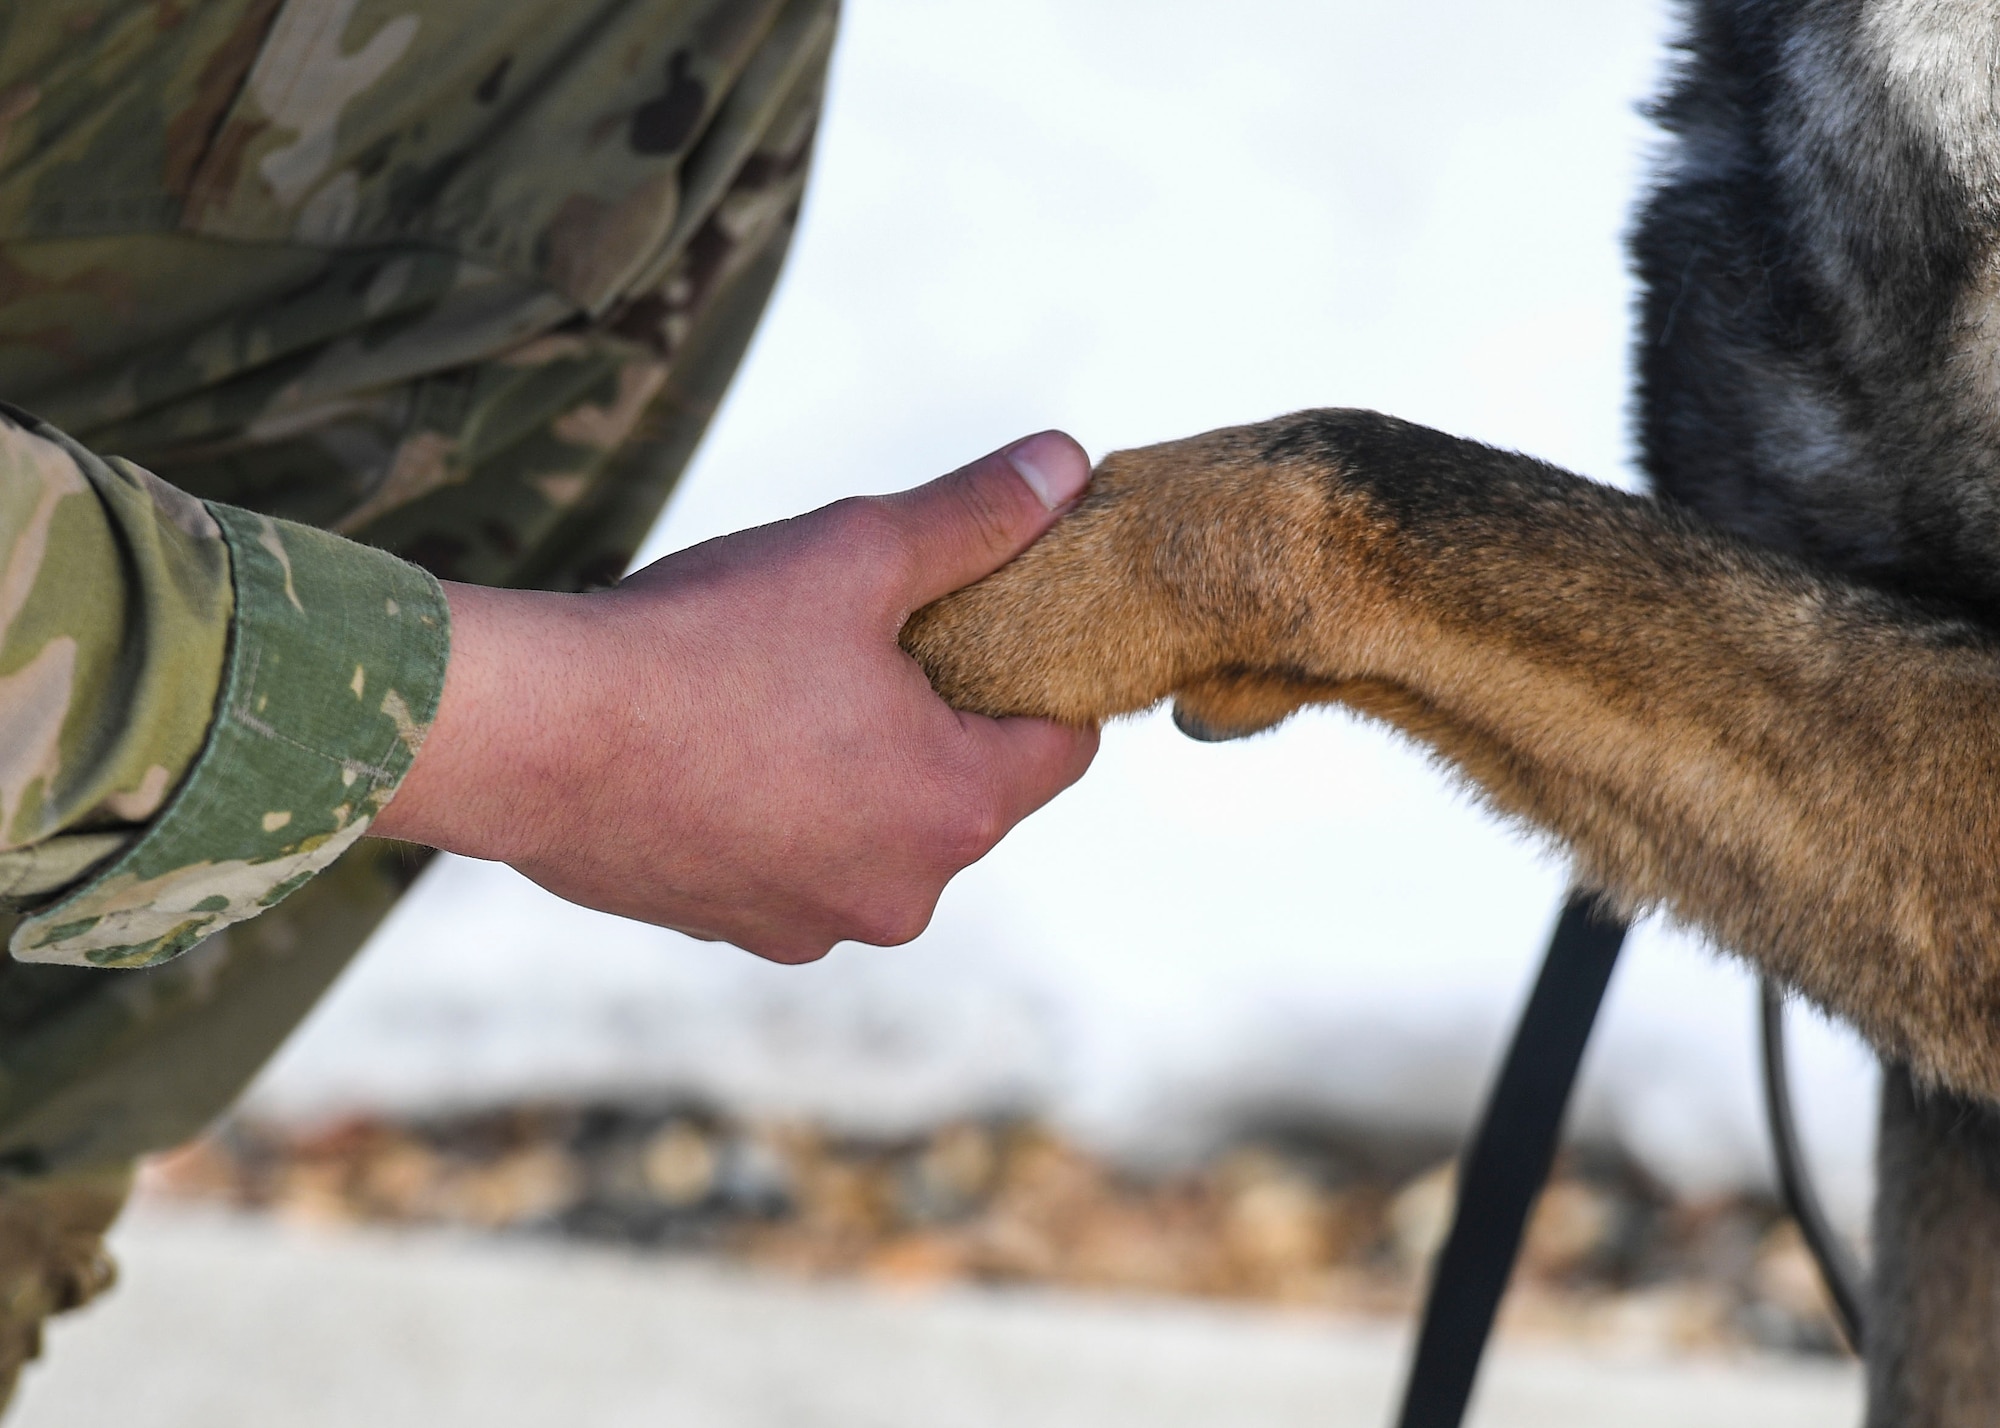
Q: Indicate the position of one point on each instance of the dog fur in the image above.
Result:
(1766, 698)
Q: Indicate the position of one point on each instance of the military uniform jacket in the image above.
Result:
(315, 302)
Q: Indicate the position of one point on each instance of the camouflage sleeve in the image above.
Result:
(200, 707)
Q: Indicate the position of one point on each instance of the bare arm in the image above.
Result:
(1806, 769)
(731, 743)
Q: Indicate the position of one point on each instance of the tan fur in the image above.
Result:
(1806, 768)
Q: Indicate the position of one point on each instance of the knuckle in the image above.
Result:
(975, 824)
(794, 951)
(864, 527)
(891, 922)
(871, 541)
(988, 826)
(987, 514)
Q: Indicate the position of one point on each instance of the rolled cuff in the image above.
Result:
(336, 661)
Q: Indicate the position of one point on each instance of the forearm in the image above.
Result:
(115, 605)
(201, 707)
(1808, 770)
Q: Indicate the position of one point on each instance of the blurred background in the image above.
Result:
(1134, 219)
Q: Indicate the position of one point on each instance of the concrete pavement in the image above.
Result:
(231, 1323)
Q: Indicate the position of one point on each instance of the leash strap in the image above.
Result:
(1508, 1162)
(1843, 1276)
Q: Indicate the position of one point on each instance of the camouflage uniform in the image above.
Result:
(361, 293)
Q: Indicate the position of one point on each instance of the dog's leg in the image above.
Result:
(1934, 1310)
(1807, 768)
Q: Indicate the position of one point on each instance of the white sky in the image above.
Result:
(1137, 219)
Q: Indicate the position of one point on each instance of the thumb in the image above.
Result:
(981, 516)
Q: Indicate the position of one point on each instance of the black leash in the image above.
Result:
(1836, 1262)
(1514, 1146)
(1508, 1162)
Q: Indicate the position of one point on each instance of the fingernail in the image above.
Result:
(1053, 467)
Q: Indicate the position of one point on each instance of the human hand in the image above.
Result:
(731, 742)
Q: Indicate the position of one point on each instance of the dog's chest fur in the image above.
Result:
(1820, 338)
(1819, 365)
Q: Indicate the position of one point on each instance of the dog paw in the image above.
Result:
(1201, 569)
(1071, 630)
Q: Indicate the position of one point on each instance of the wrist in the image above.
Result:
(503, 751)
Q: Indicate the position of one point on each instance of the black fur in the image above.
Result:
(1813, 374)
(1804, 257)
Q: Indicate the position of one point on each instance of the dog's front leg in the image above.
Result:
(1806, 768)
